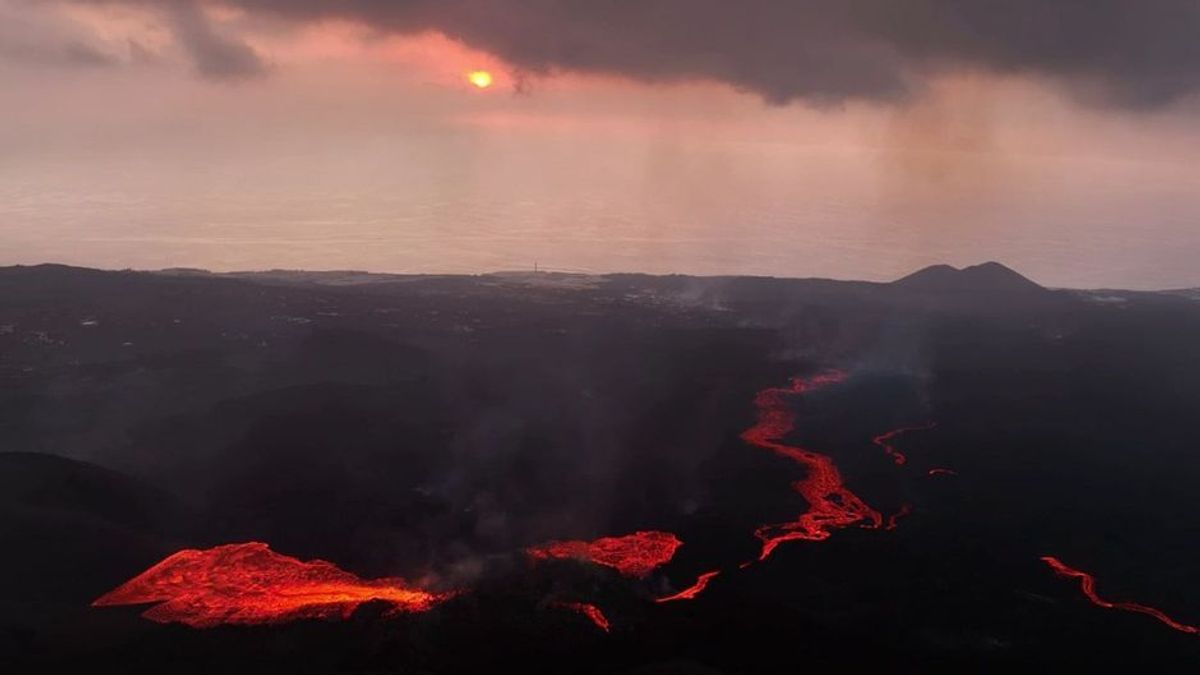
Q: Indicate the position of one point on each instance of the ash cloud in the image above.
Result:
(1112, 52)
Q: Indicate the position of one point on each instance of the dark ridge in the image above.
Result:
(989, 277)
(36, 480)
(929, 277)
(71, 530)
(45, 269)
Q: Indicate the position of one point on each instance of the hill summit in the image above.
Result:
(991, 277)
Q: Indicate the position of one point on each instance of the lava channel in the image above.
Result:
(905, 510)
(633, 555)
(251, 584)
(592, 613)
(692, 591)
(830, 504)
(1087, 584)
(885, 441)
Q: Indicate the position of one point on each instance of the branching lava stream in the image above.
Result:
(905, 510)
(885, 441)
(830, 504)
(1087, 584)
(592, 613)
(251, 584)
(692, 591)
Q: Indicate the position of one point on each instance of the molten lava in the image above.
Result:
(592, 612)
(830, 504)
(251, 584)
(884, 441)
(1087, 584)
(905, 510)
(633, 555)
(692, 591)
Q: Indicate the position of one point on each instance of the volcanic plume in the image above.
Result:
(251, 584)
(830, 504)
(633, 555)
(1087, 584)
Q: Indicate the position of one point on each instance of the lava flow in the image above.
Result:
(905, 510)
(592, 612)
(1088, 584)
(692, 591)
(884, 441)
(940, 471)
(251, 584)
(830, 504)
(633, 555)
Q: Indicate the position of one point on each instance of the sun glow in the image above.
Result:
(482, 79)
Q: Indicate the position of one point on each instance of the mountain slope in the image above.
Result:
(989, 277)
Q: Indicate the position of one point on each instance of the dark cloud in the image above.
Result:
(216, 56)
(1134, 53)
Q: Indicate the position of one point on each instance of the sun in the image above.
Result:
(480, 78)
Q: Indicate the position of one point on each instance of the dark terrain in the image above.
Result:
(433, 427)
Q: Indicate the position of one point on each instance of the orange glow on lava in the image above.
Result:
(633, 555)
(830, 504)
(251, 584)
(905, 509)
(884, 441)
(692, 591)
(1087, 584)
(592, 613)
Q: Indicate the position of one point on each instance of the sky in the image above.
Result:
(854, 139)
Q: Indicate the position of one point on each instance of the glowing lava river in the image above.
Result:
(590, 612)
(831, 505)
(885, 441)
(1087, 584)
(692, 591)
(251, 584)
(634, 555)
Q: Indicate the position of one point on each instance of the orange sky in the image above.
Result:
(165, 168)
